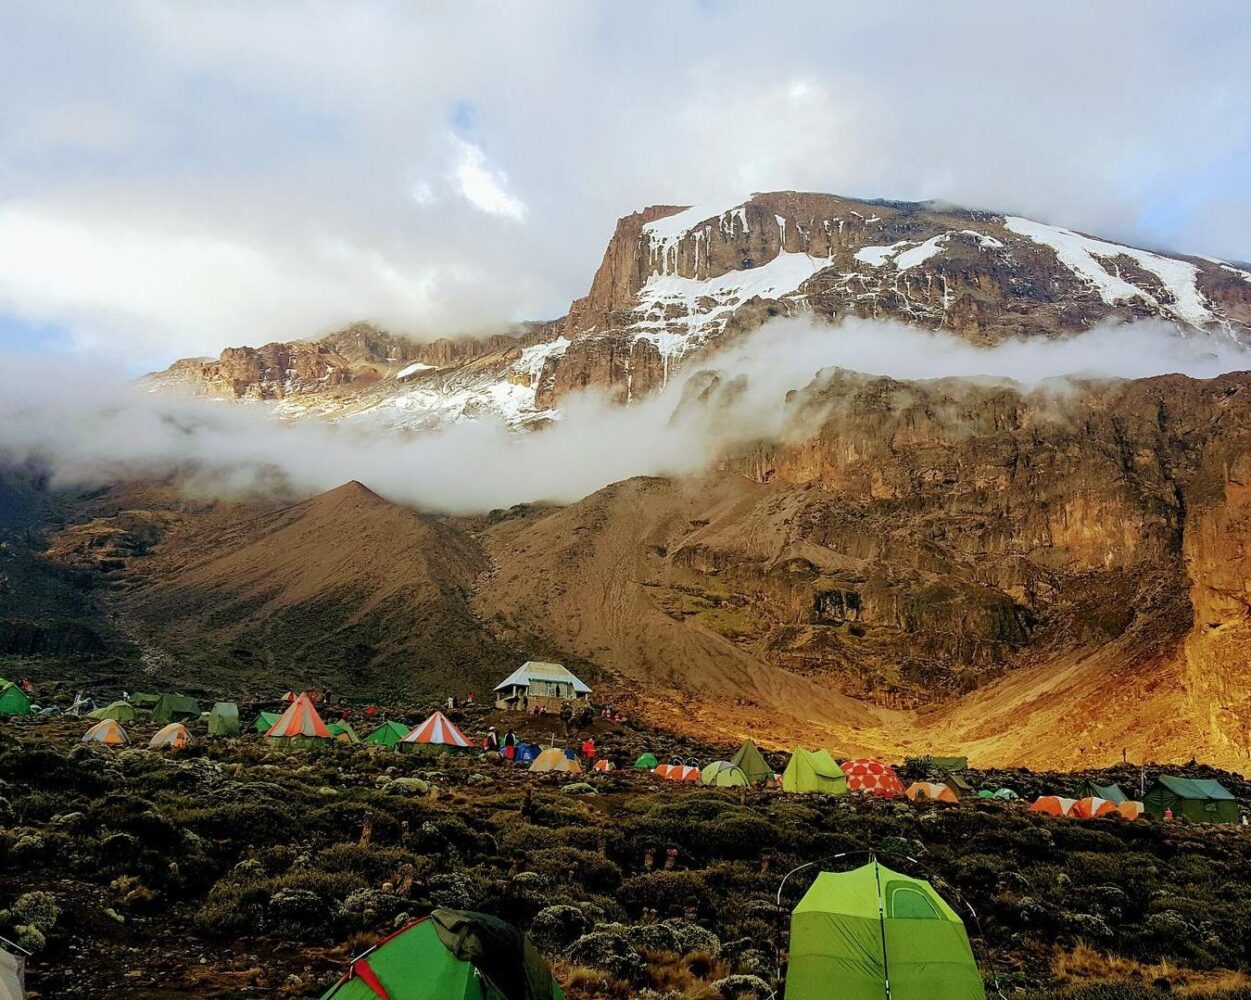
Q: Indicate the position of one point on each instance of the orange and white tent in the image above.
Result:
(1130, 809)
(555, 759)
(664, 769)
(682, 772)
(1052, 805)
(867, 775)
(299, 721)
(920, 791)
(604, 765)
(437, 730)
(107, 731)
(289, 697)
(171, 737)
(1092, 807)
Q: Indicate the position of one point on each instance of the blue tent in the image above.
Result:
(526, 753)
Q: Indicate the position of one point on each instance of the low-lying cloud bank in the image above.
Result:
(88, 425)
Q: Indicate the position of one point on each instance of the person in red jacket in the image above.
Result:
(588, 748)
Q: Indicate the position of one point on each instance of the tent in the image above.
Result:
(751, 762)
(450, 955)
(958, 783)
(437, 731)
(343, 732)
(144, 701)
(555, 759)
(12, 972)
(865, 774)
(920, 791)
(388, 734)
(723, 774)
(682, 772)
(108, 732)
(1052, 805)
(223, 720)
(604, 765)
(1005, 794)
(525, 753)
(1113, 793)
(173, 736)
(265, 721)
(1203, 800)
(1092, 807)
(299, 725)
(121, 711)
(13, 700)
(985, 793)
(950, 763)
(813, 771)
(289, 697)
(1129, 809)
(175, 708)
(646, 762)
(855, 932)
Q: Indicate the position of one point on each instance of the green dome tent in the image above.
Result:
(813, 771)
(752, 763)
(343, 732)
(1113, 793)
(13, 700)
(646, 762)
(855, 932)
(265, 721)
(388, 734)
(175, 708)
(1005, 794)
(723, 774)
(450, 955)
(223, 720)
(119, 711)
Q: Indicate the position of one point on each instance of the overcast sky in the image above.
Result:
(178, 177)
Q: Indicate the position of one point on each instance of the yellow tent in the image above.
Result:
(171, 737)
(108, 732)
(554, 759)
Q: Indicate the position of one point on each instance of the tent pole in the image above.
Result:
(881, 922)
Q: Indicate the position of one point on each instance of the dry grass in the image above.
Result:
(1085, 965)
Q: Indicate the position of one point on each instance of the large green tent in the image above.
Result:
(854, 932)
(388, 734)
(751, 762)
(175, 708)
(813, 771)
(450, 955)
(1203, 800)
(1111, 792)
(147, 701)
(265, 721)
(223, 720)
(121, 711)
(646, 762)
(343, 732)
(13, 700)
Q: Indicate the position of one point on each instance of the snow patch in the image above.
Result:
(877, 256)
(412, 369)
(532, 358)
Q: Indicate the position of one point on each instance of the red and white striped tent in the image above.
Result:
(299, 721)
(438, 730)
(682, 772)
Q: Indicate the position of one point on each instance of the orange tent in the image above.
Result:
(867, 775)
(1052, 805)
(1092, 807)
(929, 790)
(555, 759)
(108, 732)
(604, 765)
(299, 721)
(664, 769)
(682, 772)
(171, 737)
(438, 730)
(289, 696)
(1130, 809)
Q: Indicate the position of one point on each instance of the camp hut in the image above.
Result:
(555, 759)
(299, 725)
(343, 732)
(751, 762)
(1052, 805)
(107, 731)
(438, 732)
(175, 708)
(265, 721)
(1092, 807)
(1203, 800)
(388, 734)
(646, 762)
(931, 791)
(118, 711)
(539, 685)
(173, 736)
(854, 932)
(813, 771)
(723, 774)
(223, 720)
(13, 700)
(1093, 790)
(1129, 809)
(864, 774)
(450, 955)
(604, 765)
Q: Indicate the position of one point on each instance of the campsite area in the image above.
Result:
(236, 866)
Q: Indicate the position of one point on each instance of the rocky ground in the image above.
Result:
(233, 869)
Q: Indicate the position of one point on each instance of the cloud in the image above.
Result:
(88, 426)
(483, 186)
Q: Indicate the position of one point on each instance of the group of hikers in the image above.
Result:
(506, 745)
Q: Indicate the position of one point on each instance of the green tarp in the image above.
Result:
(343, 732)
(175, 708)
(122, 711)
(223, 720)
(949, 763)
(1203, 800)
(388, 734)
(13, 700)
(854, 932)
(813, 771)
(751, 762)
(265, 721)
(646, 762)
(1112, 793)
(451, 955)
